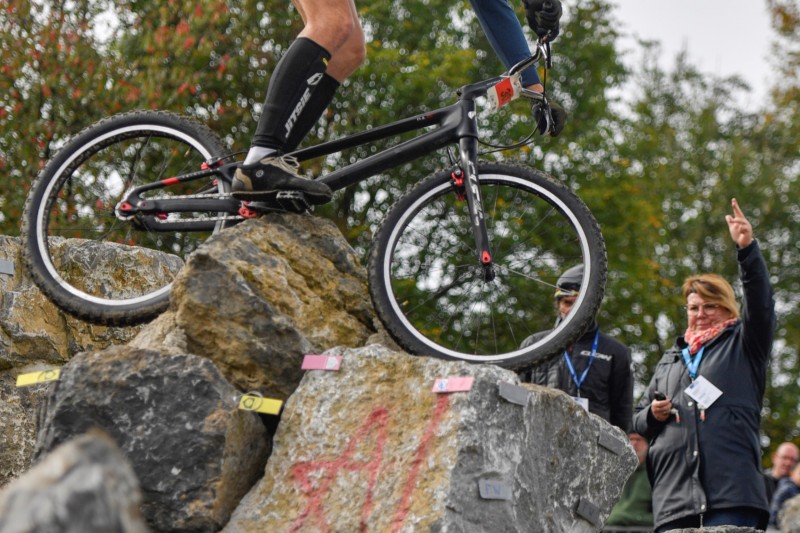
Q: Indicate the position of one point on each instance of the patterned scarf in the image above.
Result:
(696, 340)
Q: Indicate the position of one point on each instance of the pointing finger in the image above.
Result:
(736, 209)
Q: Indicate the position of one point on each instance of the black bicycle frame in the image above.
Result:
(454, 124)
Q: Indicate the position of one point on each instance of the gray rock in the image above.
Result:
(257, 297)
(36, 335)
(369, 446)
(32, 329)
(18, 424)
(84, 486)
(789, 518)
(175, 419)
(372, 446)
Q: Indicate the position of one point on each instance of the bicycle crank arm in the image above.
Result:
(160, 207)
(156, 224)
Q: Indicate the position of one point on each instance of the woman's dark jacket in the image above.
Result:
(609, 383)
(697, 465)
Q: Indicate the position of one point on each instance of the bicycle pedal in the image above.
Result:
(293, 201)
(284, 201)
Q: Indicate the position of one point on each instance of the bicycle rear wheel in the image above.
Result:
(77, 249)
(429, 289)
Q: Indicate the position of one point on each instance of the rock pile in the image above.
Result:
(379, 444)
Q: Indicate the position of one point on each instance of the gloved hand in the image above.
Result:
(543, 16)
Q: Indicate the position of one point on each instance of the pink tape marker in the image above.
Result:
(453, 384)
(322, 362)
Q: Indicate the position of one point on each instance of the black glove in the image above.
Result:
(543, 16)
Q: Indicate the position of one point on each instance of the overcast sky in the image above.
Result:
(722, 37)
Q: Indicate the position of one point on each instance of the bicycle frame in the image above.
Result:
(454, 124)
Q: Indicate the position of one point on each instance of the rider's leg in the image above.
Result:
(295, 76)
(332, 38)
(320, 99)
(349, 57)
(504, 32)
(349, 53)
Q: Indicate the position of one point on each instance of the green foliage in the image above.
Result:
(48, 83)
(658, 169)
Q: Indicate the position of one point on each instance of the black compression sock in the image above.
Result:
(295, 77)
(320, 99)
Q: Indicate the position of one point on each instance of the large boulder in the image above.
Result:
(177, 421)
(373, 447)
(18, 424)
(36, 335)
(85, 486)
(33, 329)
(257, 297)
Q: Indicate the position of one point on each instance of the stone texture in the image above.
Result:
(717, 529)
(35, 335)
(84, 486)
(176, 420)
(32, 329)
(789, 519)
(18, 424)
(259, 296)
(372, 447)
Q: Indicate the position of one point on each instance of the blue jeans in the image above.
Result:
(504, 31)
(744, 517)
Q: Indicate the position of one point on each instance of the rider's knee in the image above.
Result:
(354, 51)
(349, 56)
(333, 30)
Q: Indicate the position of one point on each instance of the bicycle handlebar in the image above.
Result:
(502, 90)
(541, 51)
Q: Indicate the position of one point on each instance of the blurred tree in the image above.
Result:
(687, 148)
(53, 68)
(779, 179)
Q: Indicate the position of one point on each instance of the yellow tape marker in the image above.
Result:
(44, 376)
(268, 406)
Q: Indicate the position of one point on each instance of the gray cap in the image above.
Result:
(570, 282)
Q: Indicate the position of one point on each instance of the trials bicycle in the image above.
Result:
(464, 265)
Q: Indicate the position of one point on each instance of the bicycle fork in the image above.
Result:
(469, 180)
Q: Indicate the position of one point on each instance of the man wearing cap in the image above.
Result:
(595, 370)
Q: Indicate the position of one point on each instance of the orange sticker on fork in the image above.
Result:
(504, 92)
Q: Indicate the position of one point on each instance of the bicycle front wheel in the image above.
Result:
(429, 288)
(80, 253)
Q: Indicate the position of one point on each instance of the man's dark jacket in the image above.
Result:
(697, 465)
(609, 383)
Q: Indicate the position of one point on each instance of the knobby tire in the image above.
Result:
(428, 287)
(73, 239)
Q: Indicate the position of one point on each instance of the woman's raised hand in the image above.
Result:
(740, 228)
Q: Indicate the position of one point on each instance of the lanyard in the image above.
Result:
(579, 382)
(692, 364)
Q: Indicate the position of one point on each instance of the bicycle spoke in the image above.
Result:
(86, 182)
(436, 289)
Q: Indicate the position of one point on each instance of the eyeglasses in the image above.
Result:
(706, 308)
